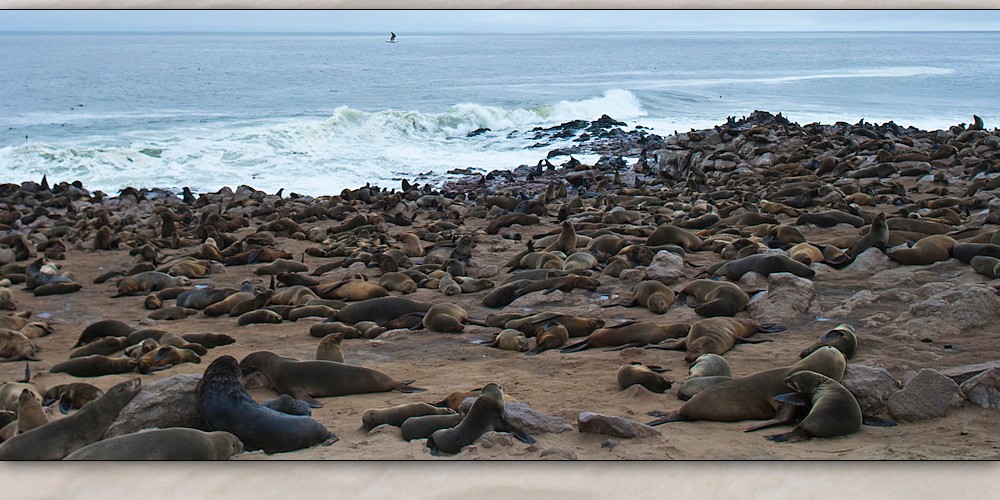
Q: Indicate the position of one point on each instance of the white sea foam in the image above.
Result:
(309, 156)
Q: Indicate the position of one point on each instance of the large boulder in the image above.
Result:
(613, 426)
(871, 261)
(170, 402)
(872, 387)
(926, 396)
(984, 389)
(787, 299)
(526, 418)
(954, 311)
(667, 268)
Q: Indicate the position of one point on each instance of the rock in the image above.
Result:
(787, 299)
(632, 275)
(559, 452)
(387, 429)
(170, 402)
(955, 311)
(871, 260)
(613, 426)
(962, 373)
(928, 395)
(753, 281)
(862, 298)
(484, 272)
(984, 389)
(667, 268)
(534, 422)
(611, 444)
(525, 418)
(870, 386)
(875, 320)
(6, 256)
(491, 439)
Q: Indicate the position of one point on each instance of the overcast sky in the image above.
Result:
(497, 21)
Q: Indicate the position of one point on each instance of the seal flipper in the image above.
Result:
(674, 345)
(577, 347)
(303, 396)
(831, 336)
(406, 388)
(330, 440)
(624, 346)
(27, 374)
(674, 416)
(741, 340)
(793, 399)
(876, 421)
(65, 404)
(522, 436)
(789, 437)
(770, 328)
(786, 414)
(477, 322)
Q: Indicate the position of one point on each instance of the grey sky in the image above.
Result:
(504, 21)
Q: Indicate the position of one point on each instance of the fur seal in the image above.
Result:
(751, 397)
(95, 365)
(396, 415)
(843, 338)
(486, 414)
(987, 266)
(209, 340)
(379, 310)
(200, 298)
(287, 404)
(165, 357)
(329, 348)
(103, 328)
(317, 311)
(149, 281)
(552, 336)
(397, 282)
(714, 298)
(566, 242)
(176, 443)
(320, 330)
(764, 264)
(259, 316)
(878, 237)
(104, 346)
(15, 346)
(647, 376)
(61, 437)
(226, 305)
(350, 290)
(925, 251)
(71, 396)
(29, 416)
(509, 340)
(833, 409)
(652, 295)
(629, 334)
(172, 313)
(965, 252)
(226, 406)
(710, 365)
(307, 380)
(422, 427)
(717, 336)
(671, 234)
(806, 253)
(445, 317)
(693, 385)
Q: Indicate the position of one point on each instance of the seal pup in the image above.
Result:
(177, 443)
(647, 376)
(708, 370)
(485, 415)
(226, 406)
(843, 338)
(711, 298)
(329, 348)
(630, 333)
(552, 336)
(509, 340)
(103, 328)
(445, 317)
(15, 346)
(717, 336)
(422, 427)
(71, 396)
(575, 325)
(103, 345)
(95, 365)
(833, 409)
(396, 415)
(29, 416)
(61, 437)
(751, 397)
(307, 380)
(652, 295)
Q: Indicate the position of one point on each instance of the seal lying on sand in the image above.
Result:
(55, 440)
(486, 414)
(226, 406)
(177, 443)
(307, 380)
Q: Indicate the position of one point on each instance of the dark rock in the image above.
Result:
(613, 426)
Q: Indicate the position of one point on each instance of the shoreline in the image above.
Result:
(753, 174)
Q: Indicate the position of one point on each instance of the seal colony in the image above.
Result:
(652, 282)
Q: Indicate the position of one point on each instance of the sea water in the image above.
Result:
(317, 113)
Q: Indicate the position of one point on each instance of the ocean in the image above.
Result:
(317, 113)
